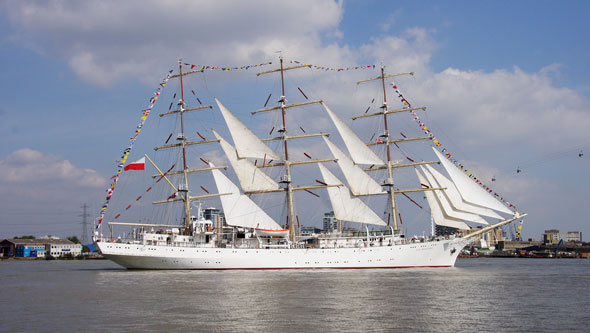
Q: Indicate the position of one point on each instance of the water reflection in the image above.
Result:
(478, 294)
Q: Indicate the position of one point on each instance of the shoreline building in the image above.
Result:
(488, 239)
(330, 223)
(551, 236)
(39, 248)
(212, 214)
(573, 236)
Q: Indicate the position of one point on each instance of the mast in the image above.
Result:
(291, 209)
(187, 203)
(385, 139)
(183, 143)
(389, 181)
(286, 179)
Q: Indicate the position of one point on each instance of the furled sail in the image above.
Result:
(455, 197)
(247, 143)
(436, 210)
(347, 207)
(470, 191)
(250, 177)
(239, 210)
(360, 183)
(360, 153)
(446, 205)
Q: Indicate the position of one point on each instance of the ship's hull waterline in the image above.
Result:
(427, 254)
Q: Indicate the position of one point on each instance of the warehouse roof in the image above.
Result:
(20, 241)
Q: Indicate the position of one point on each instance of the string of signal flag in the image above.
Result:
(444, 150)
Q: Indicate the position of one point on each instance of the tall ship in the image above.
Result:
(246, 235)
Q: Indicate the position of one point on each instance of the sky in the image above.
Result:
(505, 84)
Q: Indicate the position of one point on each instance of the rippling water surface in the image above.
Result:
(491, 295)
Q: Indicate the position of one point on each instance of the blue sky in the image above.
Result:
(485, 35)
(505, 82)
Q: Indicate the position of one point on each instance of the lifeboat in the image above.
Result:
(283, 233)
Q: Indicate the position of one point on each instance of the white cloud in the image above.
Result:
(33, 183)
(108, 41)
(390, 20)
(111, 40)
(41, 193)
(505, 107)
(27, 166)
(215, 156)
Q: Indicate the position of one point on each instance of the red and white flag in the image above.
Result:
(137, 165)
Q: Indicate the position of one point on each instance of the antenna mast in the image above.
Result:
(84, 236)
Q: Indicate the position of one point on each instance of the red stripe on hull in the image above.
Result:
(278, 268)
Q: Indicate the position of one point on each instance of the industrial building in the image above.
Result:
(39, 248)
(551, 236)
(573, 236)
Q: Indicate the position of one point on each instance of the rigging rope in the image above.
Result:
(443, 150)
(127, 150)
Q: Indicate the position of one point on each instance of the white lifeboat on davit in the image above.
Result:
(283, 233)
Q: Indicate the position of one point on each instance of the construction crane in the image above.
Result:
(561, 242)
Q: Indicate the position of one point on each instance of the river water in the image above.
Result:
(490, 295)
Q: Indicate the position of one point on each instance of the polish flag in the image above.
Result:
(137, 165)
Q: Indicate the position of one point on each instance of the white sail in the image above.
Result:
(239, 210)
(247, 143)
(251, 178)
(470, 191)
(436, 210)
(446, 205)
(347, 207)
(360, 183)
(360, 153)
(455, 197)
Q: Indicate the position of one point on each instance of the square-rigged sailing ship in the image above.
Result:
(249, 238)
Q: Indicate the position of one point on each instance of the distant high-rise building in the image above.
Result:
(442, 230)
(574, 236)
(310, 230)
(551, 236)
(212, 213)
(486, 239)
(330, 222)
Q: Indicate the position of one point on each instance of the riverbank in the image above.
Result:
(524, 254)
(90, 257)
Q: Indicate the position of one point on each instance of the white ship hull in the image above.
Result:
(441, 253)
